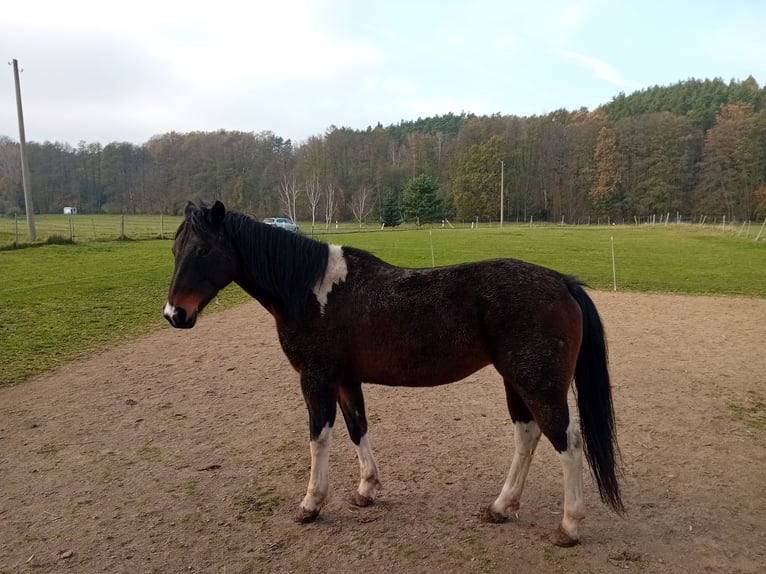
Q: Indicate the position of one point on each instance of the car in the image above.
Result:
(283, 222)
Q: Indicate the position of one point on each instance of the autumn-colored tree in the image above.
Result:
(733, 162)
(476, 188)
(607, 179)
(556, 165)
(760, 198)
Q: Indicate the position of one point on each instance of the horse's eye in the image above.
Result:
(203, 251)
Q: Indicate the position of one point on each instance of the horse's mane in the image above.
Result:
(279, 266)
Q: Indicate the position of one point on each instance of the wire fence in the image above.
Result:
(71, 228)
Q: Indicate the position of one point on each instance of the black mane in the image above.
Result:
(278, 267)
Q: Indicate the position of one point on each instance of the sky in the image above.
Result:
(99, 71)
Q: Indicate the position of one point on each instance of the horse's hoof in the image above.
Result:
(562, 539)
(361, 500)
(490, 516)
(306, 516)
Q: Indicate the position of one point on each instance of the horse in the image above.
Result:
(345, 317)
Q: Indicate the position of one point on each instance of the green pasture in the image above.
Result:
(61, 301)
(678, 258)
(58, 302)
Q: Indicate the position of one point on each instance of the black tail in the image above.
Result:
(594, 400)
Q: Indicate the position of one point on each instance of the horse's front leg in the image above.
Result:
(320, 396)
(351, 402)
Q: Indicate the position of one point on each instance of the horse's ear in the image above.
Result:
(217, 213)
(189, 209)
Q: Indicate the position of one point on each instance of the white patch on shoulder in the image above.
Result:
(334, 274)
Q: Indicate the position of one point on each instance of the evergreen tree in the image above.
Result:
(391, 215)
(420, 200)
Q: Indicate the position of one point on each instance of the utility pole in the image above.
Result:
(24, 165)
(502, 200)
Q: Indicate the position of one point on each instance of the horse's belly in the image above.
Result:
(419, 369)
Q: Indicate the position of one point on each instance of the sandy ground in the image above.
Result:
(187, 451)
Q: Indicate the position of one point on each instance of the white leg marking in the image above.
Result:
(574, 503)
(368, 470)
(319, 482)
(526, 437)
(334, 273)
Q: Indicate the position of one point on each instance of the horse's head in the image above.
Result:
(205, 263)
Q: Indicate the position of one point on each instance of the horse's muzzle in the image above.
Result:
(178, 317)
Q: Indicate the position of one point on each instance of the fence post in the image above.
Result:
(614, 269)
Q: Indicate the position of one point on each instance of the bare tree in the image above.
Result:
(394, 153)
(288, 195)
(361, 204)
(10, 173)
(313, 194)
(330, 204)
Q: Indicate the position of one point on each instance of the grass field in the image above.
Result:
(683, 259)
(58, 302)
(86, 228)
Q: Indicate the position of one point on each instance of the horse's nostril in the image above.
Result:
(176, 316)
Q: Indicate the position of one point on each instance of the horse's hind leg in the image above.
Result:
(351, 402)
(568, 443)
(535, 408)
(550, 409)
(526, 436)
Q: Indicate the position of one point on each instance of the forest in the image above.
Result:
(693, 149)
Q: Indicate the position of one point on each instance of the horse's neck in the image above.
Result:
(278, 270)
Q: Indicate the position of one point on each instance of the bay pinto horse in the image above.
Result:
(345, 317)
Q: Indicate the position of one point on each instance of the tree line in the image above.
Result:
(694, 148)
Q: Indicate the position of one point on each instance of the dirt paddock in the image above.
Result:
(187, 451)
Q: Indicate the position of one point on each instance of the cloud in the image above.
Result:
(601, 69)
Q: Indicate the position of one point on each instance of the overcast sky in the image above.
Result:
(124, 71)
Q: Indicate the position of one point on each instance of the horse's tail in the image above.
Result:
(594, 400)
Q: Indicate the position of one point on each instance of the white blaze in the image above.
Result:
(169, 310)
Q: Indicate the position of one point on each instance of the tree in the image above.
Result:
(760, 198)
(332, 198)
(733, 162)
(420, 200)
(476, 187)
(392, 214)
(121, 168)
(288, 195)
(361, 204)
(10, 175)
(604, 190)
(313, 195)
